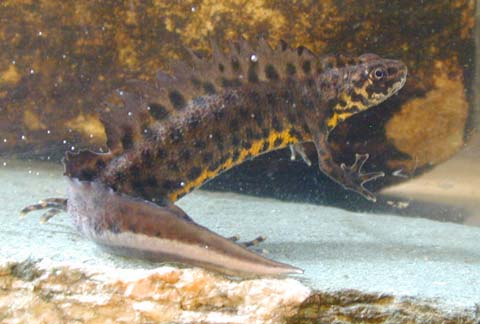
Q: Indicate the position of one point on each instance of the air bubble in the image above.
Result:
(4, 140)
(252, 115)
(40, 33)
(91, 135)
(182, 184)
(194, 8)
(48, 131)
(129, 113)
(64, 141)
(120, 92)
(30, 171)
(4, 163)
(32, 71)
(14, 62)
(23, 137)
(73, 148)
(254, 58)
(210, 136)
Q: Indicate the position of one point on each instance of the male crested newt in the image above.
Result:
(170, 136)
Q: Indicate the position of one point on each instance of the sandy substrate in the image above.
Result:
(405, 257)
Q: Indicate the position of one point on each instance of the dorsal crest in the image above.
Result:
(128, 113)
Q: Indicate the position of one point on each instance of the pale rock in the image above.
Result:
(52, 292)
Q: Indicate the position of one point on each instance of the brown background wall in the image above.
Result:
(59, 59)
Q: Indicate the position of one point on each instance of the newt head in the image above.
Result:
(363, 85)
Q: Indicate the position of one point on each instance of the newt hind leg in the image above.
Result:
(54, 206)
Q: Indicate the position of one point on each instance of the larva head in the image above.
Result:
(367, 83)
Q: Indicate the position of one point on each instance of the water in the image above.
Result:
(418, 239)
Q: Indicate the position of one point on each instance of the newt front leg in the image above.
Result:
(350, 177)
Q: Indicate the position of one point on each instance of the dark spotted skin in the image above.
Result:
(167, 152)
(234, 127)
(168, 137)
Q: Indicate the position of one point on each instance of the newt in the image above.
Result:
(169, 136)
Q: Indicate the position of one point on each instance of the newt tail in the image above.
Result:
(170, 136)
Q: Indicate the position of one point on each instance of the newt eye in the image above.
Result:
(379, 73)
